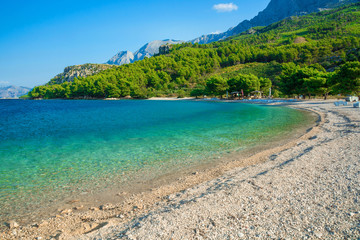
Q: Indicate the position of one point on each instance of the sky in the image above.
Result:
(38, 39)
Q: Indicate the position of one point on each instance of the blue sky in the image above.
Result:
(38, 39)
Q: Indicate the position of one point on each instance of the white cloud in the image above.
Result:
(216, 32)
(225, 7)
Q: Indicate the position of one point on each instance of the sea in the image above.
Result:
(55, 150)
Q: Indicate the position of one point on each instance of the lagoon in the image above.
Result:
(55, 150)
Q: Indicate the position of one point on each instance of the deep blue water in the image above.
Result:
(52, 149)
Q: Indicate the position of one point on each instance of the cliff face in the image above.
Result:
(76, 71)
(148, 50)
(10, 92)
(276, 10)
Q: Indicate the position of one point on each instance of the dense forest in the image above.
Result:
(312, 55)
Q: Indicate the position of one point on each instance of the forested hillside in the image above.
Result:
(316, 54)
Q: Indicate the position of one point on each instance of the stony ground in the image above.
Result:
(310, 191)
(307, 189)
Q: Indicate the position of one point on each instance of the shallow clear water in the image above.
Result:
(52, 149)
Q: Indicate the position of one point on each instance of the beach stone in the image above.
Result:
(94, 209)
(42, 224)
(120, 194)
(79, 207)
(66, 211)
(318, 234)
(138, 207)
(12, 224)
(107, 206)
(60, 236)
(170, 197)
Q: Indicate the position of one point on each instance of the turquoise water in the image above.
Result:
(50, 150)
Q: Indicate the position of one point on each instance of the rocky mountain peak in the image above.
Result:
(121, 58)
(148, 50)
(275, 11)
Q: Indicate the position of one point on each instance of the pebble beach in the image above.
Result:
(308, 188)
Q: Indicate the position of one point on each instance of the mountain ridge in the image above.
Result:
(148, 50)
(275, 11)
(13, 92)
(319, 41)
(270, 14)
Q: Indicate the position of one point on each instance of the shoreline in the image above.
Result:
(115, 187)
(144, 198)
(309, 190)
(132, 206)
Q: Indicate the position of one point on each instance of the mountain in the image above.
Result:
(276, 10)
(252, 60)
(77, 71)
(152, 48)
(148, 50)
(13, 92)
(123, 57)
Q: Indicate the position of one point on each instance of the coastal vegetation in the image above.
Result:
(312, 55)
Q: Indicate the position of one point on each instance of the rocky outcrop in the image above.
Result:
(77, 71)
(13, 92)
(148, 50)
(276, 10)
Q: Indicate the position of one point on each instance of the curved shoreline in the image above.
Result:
(75, 223)
(308, 191)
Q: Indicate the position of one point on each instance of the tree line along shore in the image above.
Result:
(312, 55)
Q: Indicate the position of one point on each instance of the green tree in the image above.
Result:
(347, 78)
(309, 80)
(197, 92)
(265, 85)
(245, 82)
(216, 86)
(289, 83)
